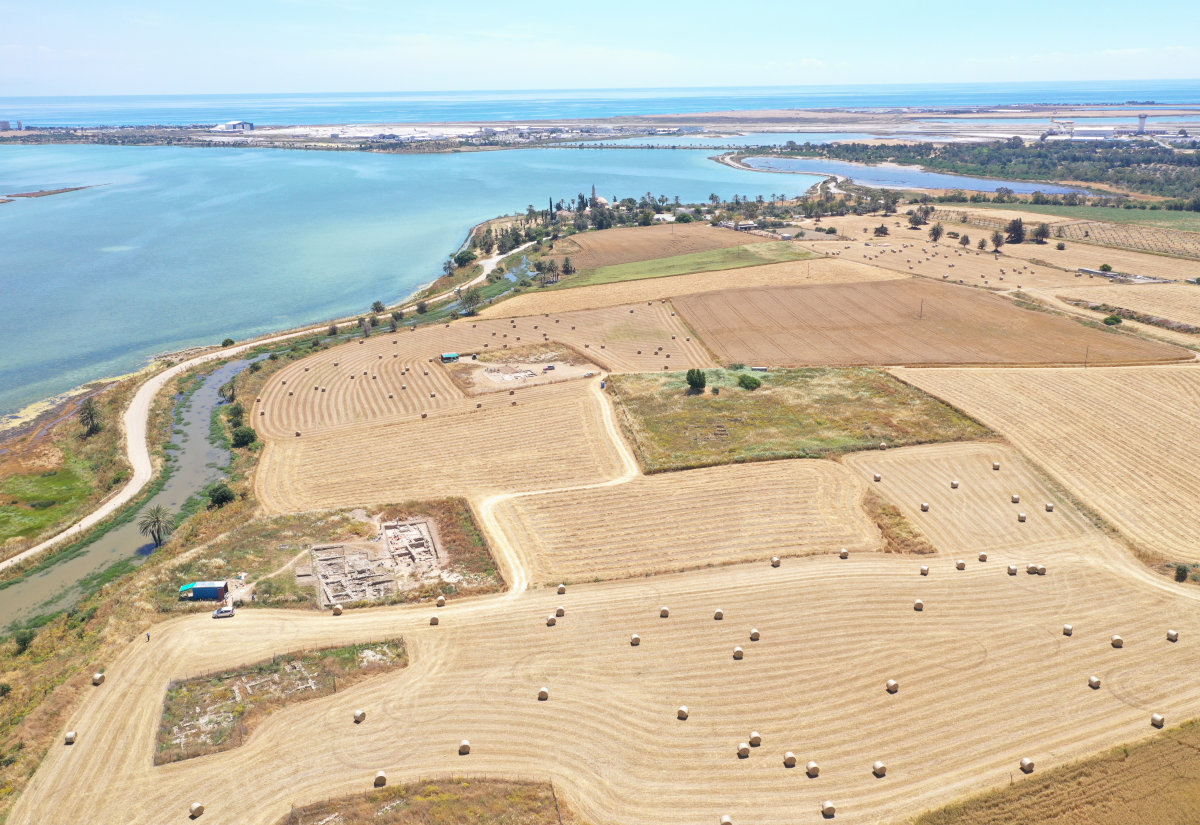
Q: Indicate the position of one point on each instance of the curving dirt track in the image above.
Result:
(696, 518)
(986, 679)
(1126, 441)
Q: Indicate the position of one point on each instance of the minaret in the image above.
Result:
(593, 203)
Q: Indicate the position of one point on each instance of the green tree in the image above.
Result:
(89, 417)
(465, 258)
(997, 240)
(219, 495)
(881, 231)
(982, 244)
(748, 382)
(568, 268)
(228, 342)
(397, 315)
(1041, 232)
(422, 307)
(683, 217)
(448, 267)
(1105, 268)
(157, 523)
(936, 231)
(1181, 572)
(1015, 231)
(235, 414)
(244, 436)
(228, 391)
(696, 379)
(965, 240)
(471, 300)
(915, 220)
(645, 217)
(333, 330)
(377, 307)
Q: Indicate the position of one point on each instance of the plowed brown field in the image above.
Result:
(1175, 302)
(898, 322)
(820, 271)
(1125, 441)
(591, 250)
(696, 518)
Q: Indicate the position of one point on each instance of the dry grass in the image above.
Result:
(441, 802)
(804, 413)
(899, 322)
(592, 250)
(900, 535)
(1173, 302)
(1155, 780)
(1123, 440)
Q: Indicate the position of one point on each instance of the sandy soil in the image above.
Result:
(1123, 440)
(897, 322)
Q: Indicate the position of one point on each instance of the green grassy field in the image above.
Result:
(734, 257)
(797, 413)
(34, 501)
(1160, 218)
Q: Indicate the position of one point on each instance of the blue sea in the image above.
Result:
(430, 107)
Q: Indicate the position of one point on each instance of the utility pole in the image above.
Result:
(1086, 350)
(921, 315)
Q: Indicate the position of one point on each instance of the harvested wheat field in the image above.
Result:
(1172, 302)
(818, 271)
(1126, 441)
(985, 679)
(396, 375)
(555, 436)
(911, 322)
(592, 250)
(650, 524)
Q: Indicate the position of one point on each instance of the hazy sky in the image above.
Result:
(65, 47)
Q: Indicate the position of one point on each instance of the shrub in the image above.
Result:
(24, 638)
(235, 414)
(1105, 268)
(829, 230)
(228, 342)
(1060, 246)
(748, 382)
(219, 495)
(422, 307)
(1181, 572)
(5, 689)
(244, 436)
(1112, 320)
(737, 367)
(696, 379)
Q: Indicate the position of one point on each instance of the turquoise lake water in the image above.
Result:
(183, 246)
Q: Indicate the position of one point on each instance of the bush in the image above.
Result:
(1181, 572)
(244, 436)
(422, 307)
(1105, 268)
(5, 689)
(1060, 246)
(235, 414)
(23, 638)
(228, 342)
(829, 230)
(748, 382)
(737, 367)
(219, 495)
(333, 330)
(1112, 320)
(696, 379)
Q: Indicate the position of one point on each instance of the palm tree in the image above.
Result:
(157, 523)
(89, 416)
(228, 390)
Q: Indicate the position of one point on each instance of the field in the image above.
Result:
(912, 322)
(1160, 218)
(807, 413)
(1123, 440)
(986, 678)
(610, 247)
(816, 271)
(1174, 302)
(213, 713)
(650, 525)
(733, 257)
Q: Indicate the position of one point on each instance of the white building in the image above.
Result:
(234, 126)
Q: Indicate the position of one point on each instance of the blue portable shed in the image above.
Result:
(207, 591)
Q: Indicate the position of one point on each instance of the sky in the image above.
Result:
(92, 47)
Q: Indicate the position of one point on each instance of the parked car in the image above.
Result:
(225, 611)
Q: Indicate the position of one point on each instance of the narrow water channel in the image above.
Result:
(194, 465)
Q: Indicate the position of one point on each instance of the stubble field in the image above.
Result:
(611, 247)
(1175, 302)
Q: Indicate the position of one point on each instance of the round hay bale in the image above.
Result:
(70, 739)
(1016, 499)
(924, 570)
(754, 634)
(960, 565)
(1041, 569)
(878, 477)
(441, 601)
(892, 686)
(1026, 765)
(743, 750)
(551, 621)
(380, 779)
(562, 588)
(983, 556)
(827, 809)
(924, 506)
(359, 716)
(1172, 635)
(879, 769)
(433, 620)
(1031, 569)
(1012, 570)
(995, 465)
(1068, 630)
(774, 561)
(725, 820)
(755, 739)
(560, 611)
(464, 747)
(336, 609)
(737, 653)
(844, 554)
(789, 760)
(953, 485)
(664, 612)
(97, 679)
(1094, 682)
(1157, 720)
(720, 614)
(1049, 507)
(543, 694)
(1021, 517)
(635, 640)
(918, 605)
(195, 810)
(682, 713)
(1117, 641)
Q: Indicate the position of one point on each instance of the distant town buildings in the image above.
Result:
(234, 126)
(5, 126)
